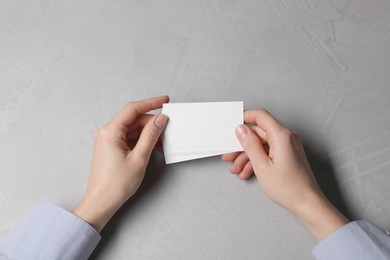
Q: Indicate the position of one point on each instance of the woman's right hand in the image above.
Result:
(277, 157)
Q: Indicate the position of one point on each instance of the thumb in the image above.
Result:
(252, 145)
(149, 136)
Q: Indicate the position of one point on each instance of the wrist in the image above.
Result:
(320, 216)
(94, 212)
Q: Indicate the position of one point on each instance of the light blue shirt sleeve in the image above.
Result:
(50, 232)
(357, 240)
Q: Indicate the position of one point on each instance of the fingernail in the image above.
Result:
(241, 131)
(161, 121)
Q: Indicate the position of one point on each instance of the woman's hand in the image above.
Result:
(121, 153)
(277, 157)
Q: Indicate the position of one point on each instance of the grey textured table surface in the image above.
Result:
(321, 66)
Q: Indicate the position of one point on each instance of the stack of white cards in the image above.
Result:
(198, 130)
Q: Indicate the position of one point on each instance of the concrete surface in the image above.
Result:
(321, 66)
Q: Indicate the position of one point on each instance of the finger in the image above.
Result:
(263, 119)
(252, 145)
(143, 120)
(260, 132)
(228, 157)
(246, 172)
(149, 136)
(134, 132)
(239, 163)
(126, 116)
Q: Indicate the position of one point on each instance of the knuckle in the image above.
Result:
(105, 132)
(151, 133)
(296, 135)
(292, 135)
(99, 134)
(263, 111)
(284, 134)
(251, 145)
(130, 104)
(289, 136)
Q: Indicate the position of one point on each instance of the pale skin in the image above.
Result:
(121, 153)
(123, 146)
(276, 156)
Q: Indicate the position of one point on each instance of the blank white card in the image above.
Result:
(198, 130)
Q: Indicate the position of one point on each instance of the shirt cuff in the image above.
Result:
(355, 240)
(50, 232)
